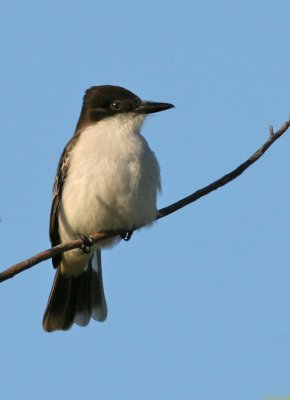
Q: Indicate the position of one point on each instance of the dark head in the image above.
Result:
(105, 101)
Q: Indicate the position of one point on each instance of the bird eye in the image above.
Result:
(116, 105)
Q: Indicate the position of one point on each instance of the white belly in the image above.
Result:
(112, 182)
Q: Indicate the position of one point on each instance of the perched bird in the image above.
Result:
(107, 180)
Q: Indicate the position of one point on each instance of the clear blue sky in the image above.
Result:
(199, 305)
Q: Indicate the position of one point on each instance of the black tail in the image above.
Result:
(76, 299)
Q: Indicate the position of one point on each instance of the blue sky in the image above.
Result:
(199, 305)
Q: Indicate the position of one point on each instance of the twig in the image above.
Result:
(96, 237)
(228, 177)
(47, 254)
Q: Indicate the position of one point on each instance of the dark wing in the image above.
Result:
(61, 173)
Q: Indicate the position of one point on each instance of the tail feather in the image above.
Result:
(59, 311)
(98, 300)
(76, 299)
(82, 298)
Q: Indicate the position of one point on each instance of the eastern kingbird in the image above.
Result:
(107, 180)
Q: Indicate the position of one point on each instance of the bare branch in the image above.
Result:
(96, 237)
(228, 177)
(49, 253)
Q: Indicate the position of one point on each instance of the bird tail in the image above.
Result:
(76, 299)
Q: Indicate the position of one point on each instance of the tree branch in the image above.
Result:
(96, 237)
(228, 177)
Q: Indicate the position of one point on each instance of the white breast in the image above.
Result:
(112, 181)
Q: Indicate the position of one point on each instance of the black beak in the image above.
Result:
(149, 107)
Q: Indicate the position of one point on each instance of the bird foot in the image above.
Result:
(87, 243)
(127, 235)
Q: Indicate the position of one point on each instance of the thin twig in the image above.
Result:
(96, 237)
(49, 253)
(226, 178)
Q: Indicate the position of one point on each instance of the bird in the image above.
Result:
(107, 180)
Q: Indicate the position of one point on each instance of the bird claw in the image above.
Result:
(127, 235)
(87, 243)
